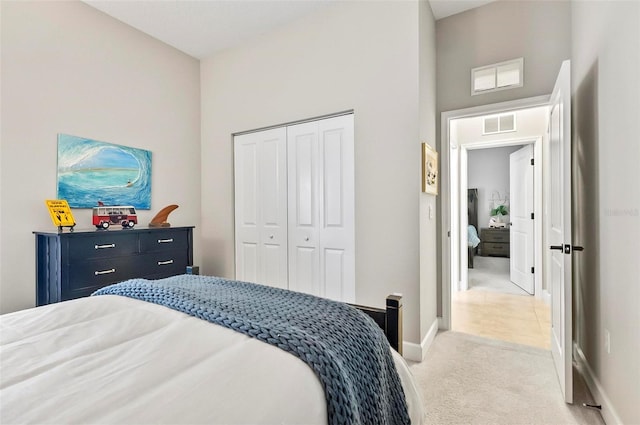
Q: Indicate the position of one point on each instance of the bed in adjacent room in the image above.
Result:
(217, 351)
(472, 228)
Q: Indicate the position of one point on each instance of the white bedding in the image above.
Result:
(111, 359)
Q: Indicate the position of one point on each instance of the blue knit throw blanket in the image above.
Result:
(347, 350)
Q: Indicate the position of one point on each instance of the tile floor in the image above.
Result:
(521, 319)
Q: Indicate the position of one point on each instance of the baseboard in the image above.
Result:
(416, 352)
(608, 412)
(546, 297)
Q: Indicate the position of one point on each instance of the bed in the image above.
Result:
(121, 359)
(472, 229)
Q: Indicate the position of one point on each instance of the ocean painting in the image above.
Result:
(90, 171)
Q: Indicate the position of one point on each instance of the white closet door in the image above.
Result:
(303, 205)
(322, 208)
(261, 207)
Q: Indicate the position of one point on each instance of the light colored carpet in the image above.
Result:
(471, 380)
(492, 274)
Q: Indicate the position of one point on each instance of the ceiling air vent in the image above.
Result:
(499, 76)
(499, 123)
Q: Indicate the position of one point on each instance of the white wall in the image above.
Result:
(606, 170)
(488, 171)
(352, 55)
(539, 31)
(428, 211)
(67, 68)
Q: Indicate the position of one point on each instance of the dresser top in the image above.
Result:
(494, 229)
(110, 230)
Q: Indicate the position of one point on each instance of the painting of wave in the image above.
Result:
(90, 171)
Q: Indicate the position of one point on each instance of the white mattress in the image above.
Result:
(111, 359)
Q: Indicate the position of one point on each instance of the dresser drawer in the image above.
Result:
(491, 248)
(86, 277)
(104, 245)
(495, 235)
(164, 264)
(164, 240)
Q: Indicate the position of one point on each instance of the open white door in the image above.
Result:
(559, 229)
(521, 257)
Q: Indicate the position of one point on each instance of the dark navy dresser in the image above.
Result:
(75, 264)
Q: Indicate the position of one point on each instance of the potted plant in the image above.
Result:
(500, 211)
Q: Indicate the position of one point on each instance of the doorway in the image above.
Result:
(495, 298)
(499, 207)
(557, 236)
(466, 309)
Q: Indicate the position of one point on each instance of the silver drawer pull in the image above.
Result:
(111, 245)
(163, 263)
(165, 240)
(105, 272)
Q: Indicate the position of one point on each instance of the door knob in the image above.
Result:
(306, 239)
(270, 236)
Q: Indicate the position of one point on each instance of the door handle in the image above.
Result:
(578, 248)
(557, 247)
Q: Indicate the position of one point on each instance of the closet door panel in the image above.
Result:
(261, 207)
(246, 208)
(305, 269)
(247, 262)
(337, 218)
(302, 166)
(334, 284)
(273, 211)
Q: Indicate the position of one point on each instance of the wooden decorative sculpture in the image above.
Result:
(160, 220)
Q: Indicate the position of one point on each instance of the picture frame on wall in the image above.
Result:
(430, 171)
(90, 171)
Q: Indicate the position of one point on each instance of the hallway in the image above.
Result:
(493, 307)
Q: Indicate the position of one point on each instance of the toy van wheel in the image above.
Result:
(104, 225)
(130, 224)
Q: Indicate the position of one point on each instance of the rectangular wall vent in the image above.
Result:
(499, 124)
(499, 76)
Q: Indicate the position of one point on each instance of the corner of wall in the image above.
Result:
(417, 352)
(608, 412)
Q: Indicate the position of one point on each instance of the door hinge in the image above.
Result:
(532, 270)
(531, 216)
(531, 161)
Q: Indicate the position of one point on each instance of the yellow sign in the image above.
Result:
(60, 212)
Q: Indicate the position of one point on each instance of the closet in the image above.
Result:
(294, 207)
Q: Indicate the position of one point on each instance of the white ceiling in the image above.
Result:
(201, 28)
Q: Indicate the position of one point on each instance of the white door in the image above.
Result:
(559, 230)
(303, 206)
(322, 208)
(521, 231)
(260, 161)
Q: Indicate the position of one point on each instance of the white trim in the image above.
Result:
(546, 296)
(416, 352)
(445, 183)
(608, 412)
